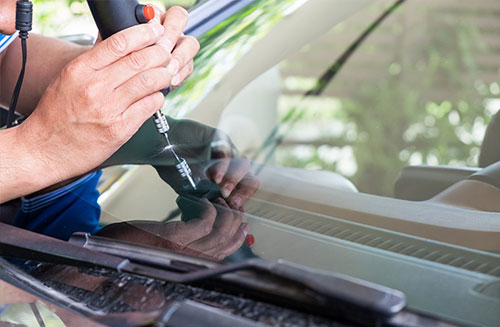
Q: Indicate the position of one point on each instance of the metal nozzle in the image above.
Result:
(185, 172)
(161, 122)
(182, 165)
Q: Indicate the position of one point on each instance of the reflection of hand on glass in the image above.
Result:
(12, 295)
(211, 155)
(216, 234)
(234, 178)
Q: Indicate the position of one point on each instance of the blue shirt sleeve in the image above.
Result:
(6, 40)
(72, 208)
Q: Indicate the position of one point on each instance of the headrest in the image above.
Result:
(490, 149)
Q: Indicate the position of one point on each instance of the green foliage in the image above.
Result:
(426, 107)
(51, 16)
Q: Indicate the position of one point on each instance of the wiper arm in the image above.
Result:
(174, 313)
(331, 293)
(325, 289)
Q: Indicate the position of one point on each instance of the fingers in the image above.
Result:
(185, 72)
(185, 50)
(227, 221)
(218, 170)
(199, 228)
(142, 85)
(174, 22)
(137, 62)
(236, 242)
(121, 44)
(245, 189)
(142, 110)
(222, 236)
(237, 169)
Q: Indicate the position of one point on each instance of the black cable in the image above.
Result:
(17, 90)
(24, 19)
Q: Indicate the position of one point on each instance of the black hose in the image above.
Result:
(17, 90)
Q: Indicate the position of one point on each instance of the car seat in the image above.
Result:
(420, 183)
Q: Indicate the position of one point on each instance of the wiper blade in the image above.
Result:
(326, 289)
(173, 314)
(337, 295)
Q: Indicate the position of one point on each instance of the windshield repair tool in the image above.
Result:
(112, 16)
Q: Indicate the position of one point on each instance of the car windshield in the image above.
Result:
(364, 135)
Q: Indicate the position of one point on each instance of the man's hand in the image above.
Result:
(181, 46)
(216, 234)
(98, 102)
(231, 174)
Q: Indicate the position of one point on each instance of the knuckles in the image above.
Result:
(152, 103)
(72, 70)
(90, 91)
(117, 44)
(137, 61)
(146, 81)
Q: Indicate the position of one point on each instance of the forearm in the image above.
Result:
(22, 169)
(46, 58)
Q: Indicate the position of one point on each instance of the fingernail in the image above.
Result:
(226, 191)
(236, 202)
(176, 80)
(165, 43)
(173, 67)
(158, 29)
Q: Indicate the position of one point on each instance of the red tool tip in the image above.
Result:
(250, 240)
(149, 12)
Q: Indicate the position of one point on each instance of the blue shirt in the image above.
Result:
(60, 213)
(6, 40)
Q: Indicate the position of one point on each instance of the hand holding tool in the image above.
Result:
(112, 16)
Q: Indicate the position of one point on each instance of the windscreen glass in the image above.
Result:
(354, 137)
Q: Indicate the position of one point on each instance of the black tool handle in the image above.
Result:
(112, 16)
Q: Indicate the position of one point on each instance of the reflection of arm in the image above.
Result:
(46, 58)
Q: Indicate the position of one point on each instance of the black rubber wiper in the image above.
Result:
(327, 287)
(335, 295)
(173, 313)
(344, 296)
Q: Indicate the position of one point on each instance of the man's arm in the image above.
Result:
(46, 58)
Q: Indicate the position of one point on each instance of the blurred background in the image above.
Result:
(420, 90)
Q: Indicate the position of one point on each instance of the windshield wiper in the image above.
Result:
(173, 313)
(324, 293)
(286, 284)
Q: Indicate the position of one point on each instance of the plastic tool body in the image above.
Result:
(112, 16)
